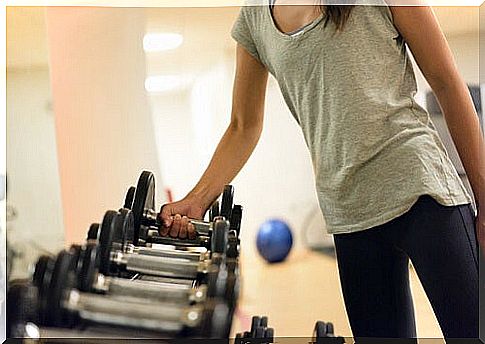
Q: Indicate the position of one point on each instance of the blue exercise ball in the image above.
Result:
(274, 240)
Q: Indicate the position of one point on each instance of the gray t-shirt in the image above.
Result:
(374, 149)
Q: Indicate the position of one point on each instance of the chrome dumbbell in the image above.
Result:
(114, 258)
(62, 304)
(88, 279)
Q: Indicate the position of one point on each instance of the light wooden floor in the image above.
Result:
(303, 289)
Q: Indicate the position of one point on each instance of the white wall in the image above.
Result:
(104, 127)
(466, 50)
(32, 168)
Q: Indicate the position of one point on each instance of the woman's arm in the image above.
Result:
(233, 150)
(422, 33)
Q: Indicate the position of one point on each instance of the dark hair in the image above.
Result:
(337, 14)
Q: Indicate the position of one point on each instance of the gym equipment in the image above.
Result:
(218, 282)
(93, 232)
(116, 283)
(274, 240)
(22, 307)
(146, 218)
(63, 305)
(114, 258)
(259, 332)
(324, 333)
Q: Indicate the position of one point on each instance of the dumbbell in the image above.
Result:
(63, 305)
(232, 247)
(259, 332)
(324, 333)
(126, 220)
(88, 279)
(115, 259)
(146, 218)
(118, 227)
(214, 210)
(22, 308)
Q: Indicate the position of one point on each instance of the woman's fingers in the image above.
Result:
(164, 230)
(176, 226)
(166, 216)
(175, 229)
(183, 227)
(191, 231)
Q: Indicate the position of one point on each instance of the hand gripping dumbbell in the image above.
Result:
(146, 218)
(114, 258)
(120, 225)
(63, 305)
(124, 218)
(169, 266)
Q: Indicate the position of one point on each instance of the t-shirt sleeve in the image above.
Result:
(241, 32)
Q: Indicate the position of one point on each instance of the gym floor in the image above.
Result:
(305, 288)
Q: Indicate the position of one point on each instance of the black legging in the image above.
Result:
(373, 266)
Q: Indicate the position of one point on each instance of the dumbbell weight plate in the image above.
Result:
(39, 270)
(106, 236)
(215, 320)
(61, 278)
(236, 217)
(259, 332)
(255, 320)
(219, 236)
(214, 211)
(44, 287)
(75, 250)
(129, 198)
(232, 290)
(232, 245)
(144, 199)
(125, 228)
(269, 334)
(21, 307)
(227, 202)
(330, 330)
(93, 231)
(324, 333)
(320, 330)
(86, 268)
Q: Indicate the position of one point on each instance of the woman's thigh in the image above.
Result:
(442, 245)
(374, 276)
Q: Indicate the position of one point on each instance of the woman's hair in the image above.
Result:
(337, 14)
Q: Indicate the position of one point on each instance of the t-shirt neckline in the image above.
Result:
(304, 29)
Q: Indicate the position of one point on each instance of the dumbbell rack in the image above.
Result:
(128, 281)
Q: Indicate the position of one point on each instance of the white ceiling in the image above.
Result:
(205, 31)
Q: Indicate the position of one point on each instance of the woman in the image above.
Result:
(387, 188)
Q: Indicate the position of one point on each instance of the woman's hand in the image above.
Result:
(175, 218)
(480, 227)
